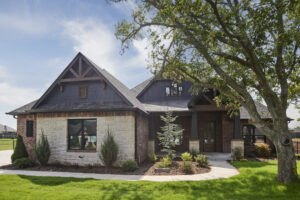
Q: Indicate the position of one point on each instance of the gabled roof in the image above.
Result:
(140, 87)
(261, 109)
(115, 84)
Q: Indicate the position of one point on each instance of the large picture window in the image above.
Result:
(82, 134)
(252, 135)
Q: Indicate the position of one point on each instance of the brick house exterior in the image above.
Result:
(85, 101)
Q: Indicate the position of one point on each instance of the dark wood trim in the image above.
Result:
(86, 71)
(209, 108)
(68, 80)
(80, 67)
(74, 73)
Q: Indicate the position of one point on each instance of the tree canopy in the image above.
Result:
(247, 50)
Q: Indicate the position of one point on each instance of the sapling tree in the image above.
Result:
(170, 135)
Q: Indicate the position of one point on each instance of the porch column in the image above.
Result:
(237, 127)
(151, 136)
(238, 141)
(194, 139)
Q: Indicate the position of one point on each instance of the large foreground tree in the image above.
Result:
(247, 50)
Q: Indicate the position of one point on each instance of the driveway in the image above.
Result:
(5, 157)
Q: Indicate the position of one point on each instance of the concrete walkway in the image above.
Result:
(219, 169)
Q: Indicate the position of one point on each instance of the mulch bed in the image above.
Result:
(145, 168)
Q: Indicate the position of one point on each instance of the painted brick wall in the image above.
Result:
(55, 128)
(21, 130)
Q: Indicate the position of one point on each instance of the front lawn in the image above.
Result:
(256, 181)
(6, 144)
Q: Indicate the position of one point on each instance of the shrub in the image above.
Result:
(152, 158)
(243, 160)
(23, 163)
(186, 156)
(201, 160)
(109, 150)
(165, 162)
(20, 150)
(297, 156)
(42, 150)
(262, 150)
(186, 167)
(194, 152)
(129, 166)
(237, 153)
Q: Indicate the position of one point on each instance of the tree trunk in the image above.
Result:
(287, 166)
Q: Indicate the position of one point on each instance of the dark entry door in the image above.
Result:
(209, 136)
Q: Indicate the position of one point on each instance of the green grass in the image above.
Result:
(6, 144)
(256, 181)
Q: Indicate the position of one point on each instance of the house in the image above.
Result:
(85, 101)
(7, 132)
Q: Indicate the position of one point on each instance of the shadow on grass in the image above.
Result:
(52, 181)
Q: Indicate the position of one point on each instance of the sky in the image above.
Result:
(39, 38)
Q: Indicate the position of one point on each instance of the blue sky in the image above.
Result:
(39, 38)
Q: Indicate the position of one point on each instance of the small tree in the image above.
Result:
(109, 150)
(171, 134)
(42, 150)
(20, 150)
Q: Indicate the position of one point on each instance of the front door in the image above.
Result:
(209, 136)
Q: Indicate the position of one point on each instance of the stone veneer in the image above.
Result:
(194, 146)
(237, 143)
(122, 123)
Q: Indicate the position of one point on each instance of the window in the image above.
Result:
(252, 135)
(82, 92)
(29, 128)
(174, 90)
(82, 134)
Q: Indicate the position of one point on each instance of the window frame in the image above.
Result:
(82, 146)
(31, 123)
(80, 95)
(174, 90)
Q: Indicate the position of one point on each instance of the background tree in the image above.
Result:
(171, 134)
(247, 50)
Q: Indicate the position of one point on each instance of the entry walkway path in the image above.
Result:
(220, 168)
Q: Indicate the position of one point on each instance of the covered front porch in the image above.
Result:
(204, 131)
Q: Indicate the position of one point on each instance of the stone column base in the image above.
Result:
(194, 145)
(237, 143)
(151, 147)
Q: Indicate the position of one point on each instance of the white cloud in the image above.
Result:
(97, 41)
(24, 23)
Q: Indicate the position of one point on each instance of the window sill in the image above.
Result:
(82, 151)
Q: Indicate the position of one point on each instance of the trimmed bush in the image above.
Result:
(186, 156)
(186, 167)
(20, 150)
(23, 163)
(129, 166)
(237, 153)
(165, 162)
(201, 160)
(194, 153)
(262, 150)
(297, 156)
(244, 160)
(109, 150)
(42, 150)
(153, 158)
